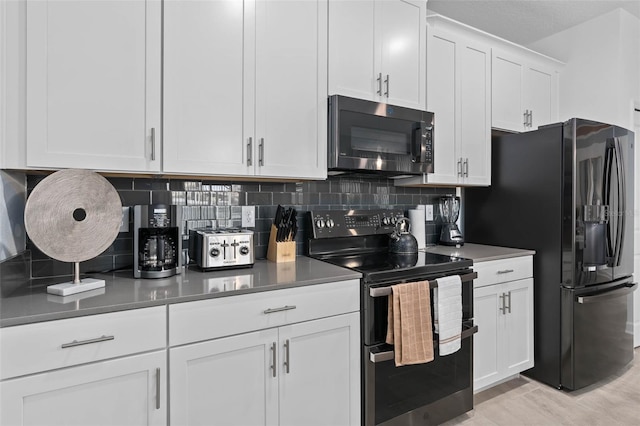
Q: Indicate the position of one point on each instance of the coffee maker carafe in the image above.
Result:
(157, 241)
(449, 211)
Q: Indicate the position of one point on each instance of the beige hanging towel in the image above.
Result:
(409, 327)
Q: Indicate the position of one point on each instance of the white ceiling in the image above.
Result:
(527, 21)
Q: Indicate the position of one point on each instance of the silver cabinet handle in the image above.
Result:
(287, 360)
(284, 308)
(387, 84)
(87, 342)
(249, 152)
(509, 306)
(273, 354)
(502, 309)
(526, 118)
(466, 167)
(153, 144)
(531, 118)
(505, 271)
(157, 388)
(261, 152)
(460, 166)
(379, 80)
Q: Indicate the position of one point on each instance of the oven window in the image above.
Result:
(399, 390)
(370, 136)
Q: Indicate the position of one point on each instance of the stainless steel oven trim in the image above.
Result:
(390, 355)
(386, 291)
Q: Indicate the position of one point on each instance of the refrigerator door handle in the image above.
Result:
(620, 212)
(619, 292)
(606, 195)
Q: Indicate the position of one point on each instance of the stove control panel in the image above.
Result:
(347, 223)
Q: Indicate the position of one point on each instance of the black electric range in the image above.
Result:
(439, 390)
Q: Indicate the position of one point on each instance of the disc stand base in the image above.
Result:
(77, 285)
(66, 289)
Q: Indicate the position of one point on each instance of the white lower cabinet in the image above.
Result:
(297, 362)
(300, 374)
(106, 369)
(503, 312)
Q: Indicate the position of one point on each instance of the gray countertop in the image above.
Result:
(31, 303)
(479, 252)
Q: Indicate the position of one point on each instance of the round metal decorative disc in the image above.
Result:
(73, 215)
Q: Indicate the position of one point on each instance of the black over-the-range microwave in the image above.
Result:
(366, 136)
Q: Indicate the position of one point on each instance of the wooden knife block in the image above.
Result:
(280, 252)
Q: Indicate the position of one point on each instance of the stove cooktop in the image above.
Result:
(382, 265)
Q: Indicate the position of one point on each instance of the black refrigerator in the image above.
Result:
(566, 191)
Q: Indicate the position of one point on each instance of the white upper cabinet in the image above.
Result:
(93, 84)
(459, 93)
(291, 89)
(245, 88)
(525, 89)
(204, 84)
(377, 51)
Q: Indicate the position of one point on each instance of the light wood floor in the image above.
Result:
(523, 401)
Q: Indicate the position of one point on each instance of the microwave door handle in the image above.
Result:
(420, 143)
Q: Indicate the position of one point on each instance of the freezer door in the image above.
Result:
(597, 333)
(597, 203)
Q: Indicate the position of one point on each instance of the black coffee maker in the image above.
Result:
(157, 241)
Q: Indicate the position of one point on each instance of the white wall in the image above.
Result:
(601, 79)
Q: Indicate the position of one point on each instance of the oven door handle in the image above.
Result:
(386, 291)
(389, 355)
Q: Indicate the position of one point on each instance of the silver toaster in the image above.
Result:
(221, 248)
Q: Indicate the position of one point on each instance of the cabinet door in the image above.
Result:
(539, 95)
(401, 49)
(93, 84)
(229, 381)
(351, 49)
(441, 99)
(291, 88)
(487, 343)
(518, 329)
(474, 66)
(506, 86)
(126, 391)
(204, 84)
(320, 372)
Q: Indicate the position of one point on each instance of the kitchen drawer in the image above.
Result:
(503, 270)
(32, 348)
(224, 316)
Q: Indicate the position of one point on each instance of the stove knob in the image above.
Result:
(320, 223)
(386, 221)
(214, 252)
(394, 220)
(244, 250)
(330, 223)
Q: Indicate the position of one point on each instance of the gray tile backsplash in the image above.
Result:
(218, 204)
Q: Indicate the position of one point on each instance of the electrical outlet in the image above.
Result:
(248, 216)
(428, 214)
(124, 224)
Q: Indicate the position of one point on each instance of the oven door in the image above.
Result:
(375, 304)
(421, 394)
(372, 136)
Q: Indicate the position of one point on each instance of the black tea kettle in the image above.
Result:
(401, 241)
